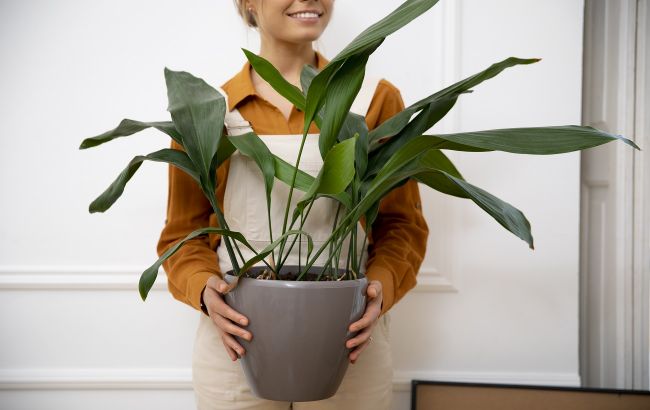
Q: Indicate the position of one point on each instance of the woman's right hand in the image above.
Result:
(225, 317)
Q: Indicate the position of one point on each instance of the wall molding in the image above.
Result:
(431, 280)
(181, 378)
(75, 278)
(96, 379)
(106, 278)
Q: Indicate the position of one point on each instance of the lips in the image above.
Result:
(306, 14)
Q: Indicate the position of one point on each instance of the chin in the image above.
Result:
(304, 37)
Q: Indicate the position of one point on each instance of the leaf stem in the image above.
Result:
(291, 187)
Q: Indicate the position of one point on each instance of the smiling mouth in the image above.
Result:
(306, 15)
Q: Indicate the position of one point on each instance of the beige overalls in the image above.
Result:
(219, 383)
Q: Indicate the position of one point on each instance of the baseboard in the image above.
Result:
(181, 379)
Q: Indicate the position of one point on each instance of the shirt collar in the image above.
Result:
(241, 86)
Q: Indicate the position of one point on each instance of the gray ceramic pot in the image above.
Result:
(299, 329)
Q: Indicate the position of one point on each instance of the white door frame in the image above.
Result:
(615, 198)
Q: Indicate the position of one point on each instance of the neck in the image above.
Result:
(288, 58)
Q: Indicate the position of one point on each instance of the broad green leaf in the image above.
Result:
(198, 111)
(413, 158)
(114, 191)
(284, 172)
(148, 277)
(407, 129)
(401, 16)
(342, 90)
(129, 127)
(306, 76)
(269, 248)
(253, 147)
(342, 197)
(445, 100)
(536, 140)
(507, 215)
(375, 162)
(436, 159)
(406, 154)
(316, 93)
(335, 174)
(414, 129)
(271, 75)
(224, 152)
(355, 124)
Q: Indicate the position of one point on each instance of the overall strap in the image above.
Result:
(234, 122)
(364, 98)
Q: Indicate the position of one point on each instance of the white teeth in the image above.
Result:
(305, 15)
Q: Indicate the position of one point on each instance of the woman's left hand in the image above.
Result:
(367, 321)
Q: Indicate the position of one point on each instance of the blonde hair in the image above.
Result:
(245, 14)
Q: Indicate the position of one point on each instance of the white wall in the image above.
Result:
(73, 326)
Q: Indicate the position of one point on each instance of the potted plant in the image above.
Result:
(360, 167)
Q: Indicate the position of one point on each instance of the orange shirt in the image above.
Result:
(398, 237)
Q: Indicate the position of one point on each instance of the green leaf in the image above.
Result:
(269, 248)
(368, 39)
(284, 172)
(148, 277)
(507, 215)
(253, 147)
(335, 174)
(404, 14)
(342, 197)
(316, 93)
(535, 140)
(224, 152)
(342, 90)
(306, 76)
(439, 103)
(115, 190)
(129, 127)
(355, 124)
(437, 160)
(198, 111)
(406, 154)
(371, 215)
(415, 157)
(271, 75)
(415, 128)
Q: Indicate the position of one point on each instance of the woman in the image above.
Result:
(396, 245)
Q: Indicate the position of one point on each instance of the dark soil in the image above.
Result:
(293, 275)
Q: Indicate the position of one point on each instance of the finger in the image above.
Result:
(214, 302)
(217, 304)
(371, 314)
(220, 285)
(374, 289)
(354, 355)
(232, 347)
(360, 338)
(228, 327)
